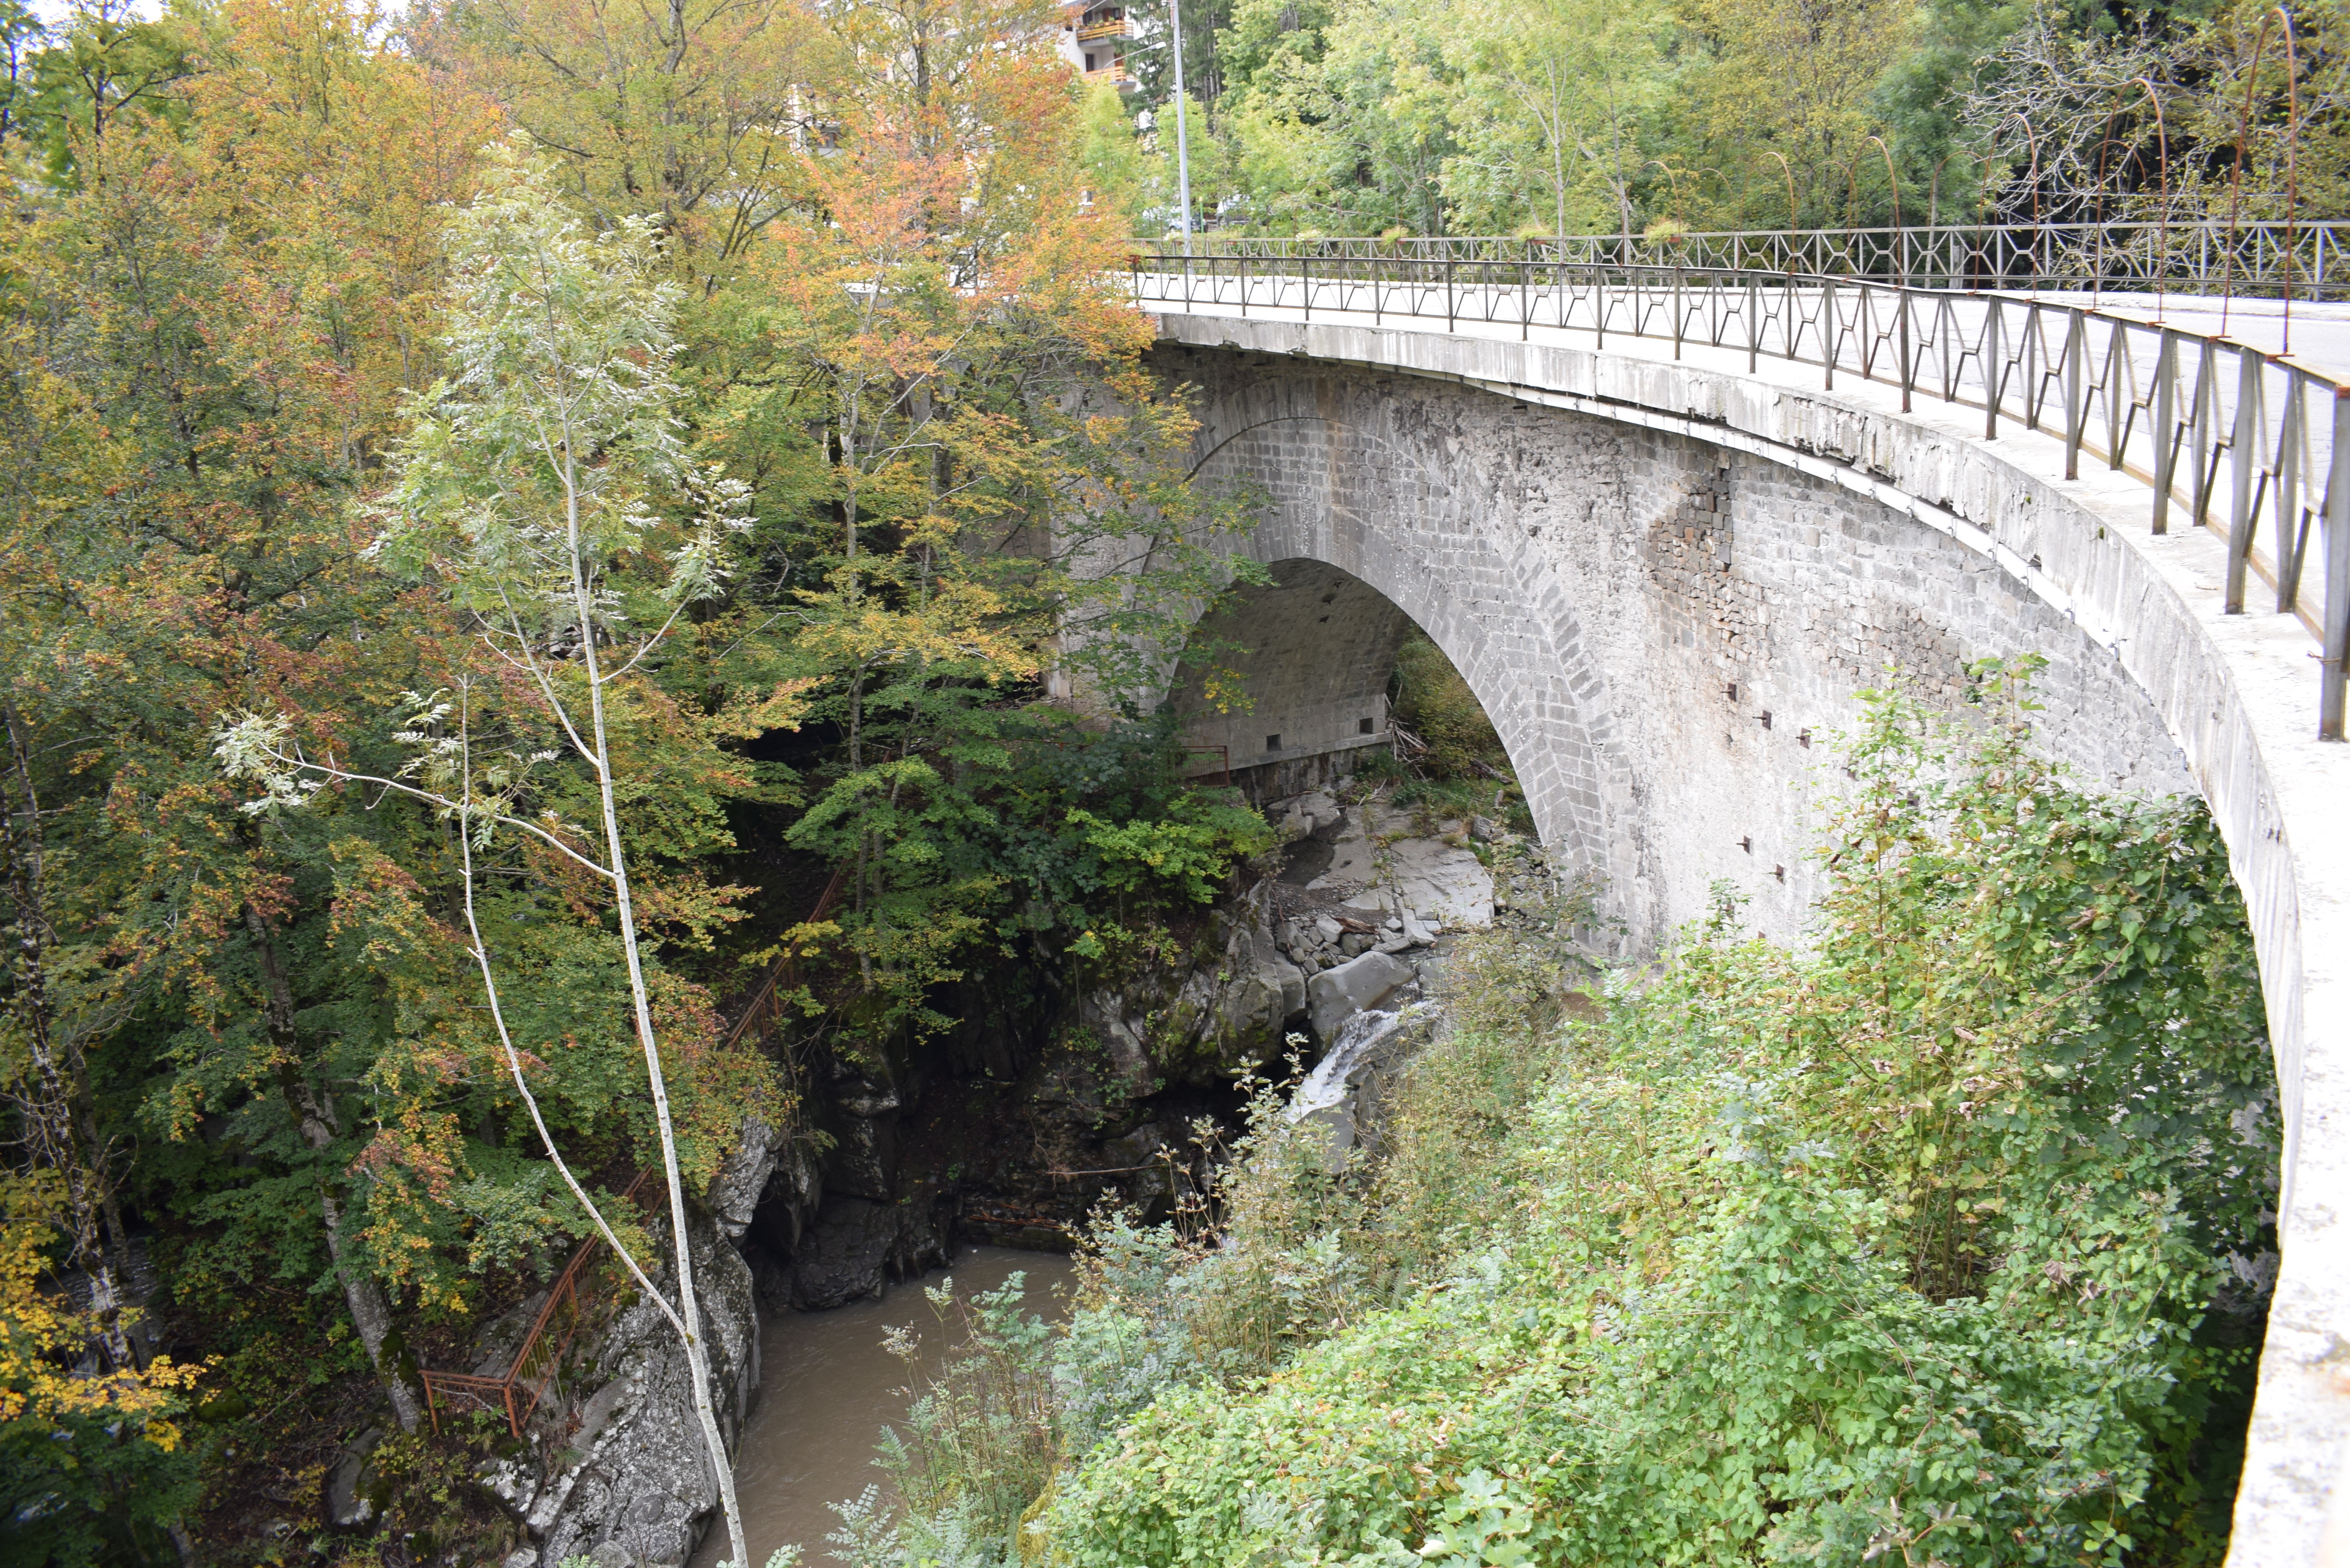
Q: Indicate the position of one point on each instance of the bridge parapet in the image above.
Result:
(2223, 432)
(2258, 259)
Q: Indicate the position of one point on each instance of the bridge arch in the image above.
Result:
(1940, 440)
(1360, 535)
(1659, 625)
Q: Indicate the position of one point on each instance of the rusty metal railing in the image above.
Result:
(1223, 756)
(784, 972)
(2227, 435)
(537, 1362)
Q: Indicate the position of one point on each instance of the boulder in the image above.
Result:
(736, 1190)
(1338, 994)
(1444, 884)
(1260, 990)
(1197, 1024)
(845, 1257)
(349, 1503)
(1380, 860)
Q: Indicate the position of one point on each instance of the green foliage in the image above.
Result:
(1187, 853)
(1023, 833)
(1375, 116)
(978, 1444)
(1929, 1238)
(1435, 704)
(84, 1489)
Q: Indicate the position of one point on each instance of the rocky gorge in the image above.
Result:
(1009, 1132)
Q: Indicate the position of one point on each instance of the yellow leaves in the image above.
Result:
(41, 1337)
(746, 714)
(961, 624)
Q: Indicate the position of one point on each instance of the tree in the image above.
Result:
(207, 316)
(529, 482)
(980, 497)
(696, 112)
(1559, 100)
(1798, 79)
(91, 1458)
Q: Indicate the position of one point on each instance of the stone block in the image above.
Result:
(1338, 994)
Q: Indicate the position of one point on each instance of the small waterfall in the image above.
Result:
(1327, 1084)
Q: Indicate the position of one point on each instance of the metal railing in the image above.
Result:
(572, 1302)
(537, 1364)
(765, 1007)
(2222, 433)
(2251, 258)
(1222, 766)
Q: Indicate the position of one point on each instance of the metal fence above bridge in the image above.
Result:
(2257, 258)
(2224, 435)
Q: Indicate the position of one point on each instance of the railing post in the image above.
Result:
(2076, 398)
(1676, 308)
(1753, 323)
(2116, 422)
(1527, 293)
(2337, 573)
(2241, 517)
(1305, 282)
(1828, 329)
(1901, 304)
(2292, 535)
(1448, 288)
(2166, 435)
(2204, 472)
(1994, 368)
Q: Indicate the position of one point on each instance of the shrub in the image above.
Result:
(1915, 1241)
(1923, 1238)
(1435, 704)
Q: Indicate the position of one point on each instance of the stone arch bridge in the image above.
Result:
(1669, 519)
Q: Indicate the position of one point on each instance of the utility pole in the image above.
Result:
(1182, 151)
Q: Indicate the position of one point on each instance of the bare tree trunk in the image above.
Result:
(314, 1119)
(689, 1306)
(61, 1127)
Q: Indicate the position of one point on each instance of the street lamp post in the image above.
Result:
(1182, 150)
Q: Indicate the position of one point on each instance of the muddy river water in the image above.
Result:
(826, 1389)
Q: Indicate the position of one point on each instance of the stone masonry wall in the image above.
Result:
(1664, 632)
(1312, 650)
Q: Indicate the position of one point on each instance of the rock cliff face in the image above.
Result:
(1010, 1130)
(1195, 1025)
(620, 1470)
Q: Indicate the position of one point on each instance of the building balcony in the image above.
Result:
(1114, 28)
